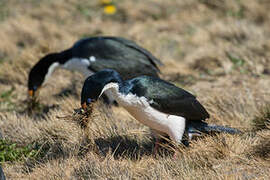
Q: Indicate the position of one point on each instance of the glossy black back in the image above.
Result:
(124, 56)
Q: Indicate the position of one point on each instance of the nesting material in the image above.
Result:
(95, 111)
(33, 105)
(82, 116)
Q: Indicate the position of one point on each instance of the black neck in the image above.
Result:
(64, 56)
(113, 76)
(49, 59)
(94, 84)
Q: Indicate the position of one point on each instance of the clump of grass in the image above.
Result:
(182, 80)
(55, 142)
(208, 65)
(5, 99)
(238, 63)
(1, 58)
(4, 11)
(235, 60)
(238, 12)
(262, 120)
(33, 105)
(6, 94)
(97, 32)
(82, 116)
(88, 9)
(10, 151)
(34, 108)
(85, 11)
(233, 9)
(262, 150)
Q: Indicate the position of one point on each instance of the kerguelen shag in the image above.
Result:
(158, 104)
(93, 54)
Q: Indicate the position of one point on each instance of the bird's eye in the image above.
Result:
(89, 100)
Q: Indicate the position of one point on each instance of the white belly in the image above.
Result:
(149, 117)
(139, 108)
(80, 65)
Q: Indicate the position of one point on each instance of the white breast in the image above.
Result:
(141, 110)
(172, 125)
(79, 64)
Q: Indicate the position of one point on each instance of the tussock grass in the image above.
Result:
(218, 50)
(11, 152)
(262, 120)
(262, 148)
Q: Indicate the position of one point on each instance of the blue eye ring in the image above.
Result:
(89, 100)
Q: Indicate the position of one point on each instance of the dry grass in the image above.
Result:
(218, 50)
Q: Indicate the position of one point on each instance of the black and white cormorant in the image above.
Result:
(91, 55)
(160, 105)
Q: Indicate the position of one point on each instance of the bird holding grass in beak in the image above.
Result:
(158, 104)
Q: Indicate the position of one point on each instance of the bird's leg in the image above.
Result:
(186, 138)
(178, 136)
(185, 142)
(157, 141)
(156, 147)
(175, 155)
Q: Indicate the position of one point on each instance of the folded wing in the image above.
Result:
(168, 98)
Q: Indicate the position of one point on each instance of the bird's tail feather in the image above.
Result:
(202, 127)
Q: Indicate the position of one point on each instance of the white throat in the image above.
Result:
(113, 89)
(125, 100)
(74, 64)
(51, 69)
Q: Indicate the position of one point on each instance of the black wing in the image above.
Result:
(154, 61)
(168, 98)
(119, 54)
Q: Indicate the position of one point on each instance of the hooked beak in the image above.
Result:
(84, 106)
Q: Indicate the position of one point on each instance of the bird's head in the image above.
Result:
(96, 84)
(40, 72)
